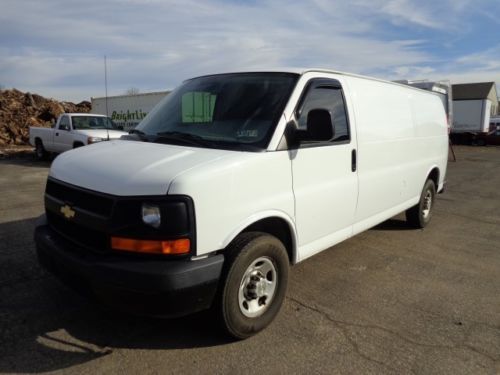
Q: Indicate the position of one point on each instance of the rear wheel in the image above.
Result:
(255, 281)
(420, 215)
(40, 152)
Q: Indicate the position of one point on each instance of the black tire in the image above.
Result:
(420, 215)
(245, 257)
(40, 152)
(77, 144)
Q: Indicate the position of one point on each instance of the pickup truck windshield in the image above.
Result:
(233, 111)
(92, 122)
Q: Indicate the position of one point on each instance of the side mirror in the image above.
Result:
(319, 126)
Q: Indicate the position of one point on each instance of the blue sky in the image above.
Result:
(56, 47)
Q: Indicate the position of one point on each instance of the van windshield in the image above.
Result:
(232, 111)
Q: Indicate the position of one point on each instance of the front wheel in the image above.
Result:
(420, 215)
(256, 277)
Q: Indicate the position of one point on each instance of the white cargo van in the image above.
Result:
(231, 179)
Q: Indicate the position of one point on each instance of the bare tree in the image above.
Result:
(132, 91)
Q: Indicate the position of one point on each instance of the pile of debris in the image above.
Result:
(19, 111)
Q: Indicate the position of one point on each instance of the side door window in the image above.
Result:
(325, 94)
(64, 123)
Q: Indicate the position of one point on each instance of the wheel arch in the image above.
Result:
(276, 224)
(434, 175)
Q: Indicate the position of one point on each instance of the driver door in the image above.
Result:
(325, 180)
(63, 138)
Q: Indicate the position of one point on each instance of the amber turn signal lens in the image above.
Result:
(180, 246)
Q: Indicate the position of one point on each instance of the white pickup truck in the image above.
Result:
(73, 130)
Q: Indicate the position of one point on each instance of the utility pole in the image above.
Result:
(106, 83)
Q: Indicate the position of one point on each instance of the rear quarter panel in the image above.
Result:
(402, 135)
(45, 134)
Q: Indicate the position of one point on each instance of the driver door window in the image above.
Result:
(321, 95)
(64, 123)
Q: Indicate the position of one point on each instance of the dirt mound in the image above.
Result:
(19, 111)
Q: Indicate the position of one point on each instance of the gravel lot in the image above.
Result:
(390, 300)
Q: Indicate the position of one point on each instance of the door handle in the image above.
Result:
(57, 134)
(353, 160)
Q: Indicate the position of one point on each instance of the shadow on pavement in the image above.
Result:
(393, 224)
(27, 162)
(45, 326)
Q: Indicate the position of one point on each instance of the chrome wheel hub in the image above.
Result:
(257, 287)
(426, 209)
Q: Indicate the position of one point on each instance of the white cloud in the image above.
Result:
(445, 15)
(405, 11)
(57, 46)
(487, 60)
(404, 72)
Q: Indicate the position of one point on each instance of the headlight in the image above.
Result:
(151, 215)
(94, 139)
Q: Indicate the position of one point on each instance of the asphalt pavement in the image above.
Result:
(391, 300)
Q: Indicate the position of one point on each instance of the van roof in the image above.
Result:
(302, 71)
(299, 71)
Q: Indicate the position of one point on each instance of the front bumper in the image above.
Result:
(156, 287)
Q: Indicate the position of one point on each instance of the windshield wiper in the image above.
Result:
(142, 136)
(186, 138)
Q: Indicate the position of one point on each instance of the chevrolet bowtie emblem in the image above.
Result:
(67, 212)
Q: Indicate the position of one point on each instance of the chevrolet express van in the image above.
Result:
(231, 179)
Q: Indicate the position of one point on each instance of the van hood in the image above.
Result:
(102, 133)
(130, 168)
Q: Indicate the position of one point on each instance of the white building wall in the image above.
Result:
(127, 110)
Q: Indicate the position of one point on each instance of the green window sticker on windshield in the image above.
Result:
(198, 107)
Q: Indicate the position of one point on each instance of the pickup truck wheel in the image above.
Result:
(40, 152)
(256, 276)
(420, 215)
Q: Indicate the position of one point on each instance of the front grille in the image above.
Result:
(84, 199)
(78, 234)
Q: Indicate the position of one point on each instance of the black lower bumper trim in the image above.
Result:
(143, 286)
